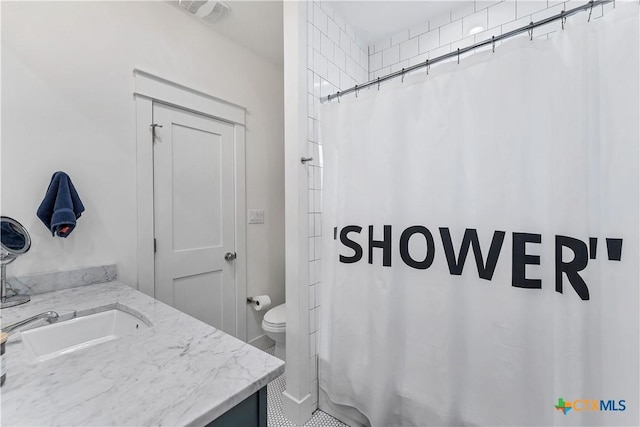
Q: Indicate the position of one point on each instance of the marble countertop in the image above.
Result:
(178, 372)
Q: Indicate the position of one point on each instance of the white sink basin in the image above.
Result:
(61, 338)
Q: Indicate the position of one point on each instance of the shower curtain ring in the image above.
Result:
(378, 83)
(531, 31)
(493, 44)
(563, 19)
(356, 91)
(458, 55)
(338, 96)
(426, 64)
(590, 10)
(402, 81)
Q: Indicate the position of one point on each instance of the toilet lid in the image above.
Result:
(276, 316)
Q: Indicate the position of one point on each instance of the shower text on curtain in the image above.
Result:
(582, 253)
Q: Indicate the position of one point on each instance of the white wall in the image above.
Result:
(67, 104)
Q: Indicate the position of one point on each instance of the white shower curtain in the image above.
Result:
(528, 160)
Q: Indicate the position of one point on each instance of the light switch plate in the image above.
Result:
(256, 216)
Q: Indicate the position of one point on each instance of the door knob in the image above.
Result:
(230, 256)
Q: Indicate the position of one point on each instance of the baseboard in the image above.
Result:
(262, 342)
(297, 411)
(346, 414)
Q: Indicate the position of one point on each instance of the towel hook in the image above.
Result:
(154, 136)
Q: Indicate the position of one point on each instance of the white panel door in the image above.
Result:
(194, 215)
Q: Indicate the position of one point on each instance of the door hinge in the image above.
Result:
(153, 131)
(155, 246)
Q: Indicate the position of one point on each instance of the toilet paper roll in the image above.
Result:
(261, 302)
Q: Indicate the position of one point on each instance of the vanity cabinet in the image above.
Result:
(251, 412)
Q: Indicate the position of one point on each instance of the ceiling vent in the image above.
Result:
(205, 9)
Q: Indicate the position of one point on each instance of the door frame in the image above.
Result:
(147, 89)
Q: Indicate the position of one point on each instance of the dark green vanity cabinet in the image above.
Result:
(251, 412)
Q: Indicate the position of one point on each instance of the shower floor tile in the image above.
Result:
(275, 418)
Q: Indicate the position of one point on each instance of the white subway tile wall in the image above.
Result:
(466, 10)
(477, 20)
(526, 8)
(337, 59)
(409, 48)
(418, 29)
(391, 56)
(448, 32)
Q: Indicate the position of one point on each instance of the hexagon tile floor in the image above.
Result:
(275, 418)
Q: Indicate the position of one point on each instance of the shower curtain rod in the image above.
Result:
(562, 15)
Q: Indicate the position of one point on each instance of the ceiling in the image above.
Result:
(375, 20)
(257, 24)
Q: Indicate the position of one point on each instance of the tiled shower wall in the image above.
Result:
(337, 59)
(447, 33)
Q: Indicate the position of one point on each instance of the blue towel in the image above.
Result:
(61, 206)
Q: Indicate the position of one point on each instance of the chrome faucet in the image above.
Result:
(49, 316)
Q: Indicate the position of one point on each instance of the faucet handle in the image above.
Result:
(49, 316)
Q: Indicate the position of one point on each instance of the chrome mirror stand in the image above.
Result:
(14, 241)
(13, 300)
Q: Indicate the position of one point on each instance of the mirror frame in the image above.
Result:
(12, 252)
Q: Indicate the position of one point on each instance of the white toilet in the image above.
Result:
(275, 326)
